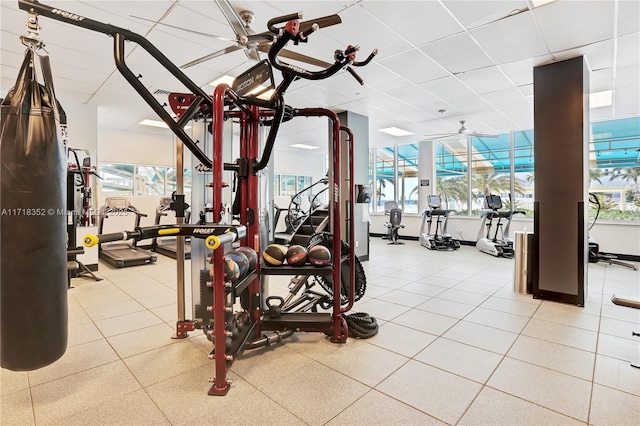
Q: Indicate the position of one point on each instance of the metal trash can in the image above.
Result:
(522, 279)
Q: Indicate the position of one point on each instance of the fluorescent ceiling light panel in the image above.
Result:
(226, 79)
(154, 123)
(303, 146)
(395, 131)
(158, 123)
(601, 99)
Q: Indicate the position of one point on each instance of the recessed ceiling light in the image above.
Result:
(601, 99)
(226, 79)
(303, 146)
(395, 131)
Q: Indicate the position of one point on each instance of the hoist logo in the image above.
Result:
(68, 15)
(203, 168)
(203, 230)
(336, 193)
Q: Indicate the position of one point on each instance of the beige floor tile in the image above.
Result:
(348, 361)
(556, 391)
(497, 319)
(160, 364)
(82, 333)
(381, 309)
(465, 297)
(16, 408)
(13, 381)
(408, 275)
(169, 313)
(482, 278)
(135, 408)
(435, 392)
(425, 321)
(458, 358)
(125, 323)
(376, 290)
(379, 409)
(477, 288)
(91, 300)
(618, 328)
(618, 347)
(404, 298)
(57, 400)
(564, 359)
(111, 310)
(493, 407)
(567, 315)
(142, 287)
(617, 374)
(613, 407)
(156, 300)
(82, 286)
(260, 367)
(565, 335)
(423, 289)
(389, 282)
(511, 306)
(439, 281)
(481, 336)
(76, 358)
(142, 340)
(300, 393)
(311, 345)
(446, 307)
(77, 314)
(400, 339)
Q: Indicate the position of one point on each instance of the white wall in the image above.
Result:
(129, 147)
(303, 164)
(613, 237)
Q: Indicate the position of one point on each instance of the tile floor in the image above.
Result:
(456, 345)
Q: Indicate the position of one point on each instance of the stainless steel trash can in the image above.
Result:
(522, 278)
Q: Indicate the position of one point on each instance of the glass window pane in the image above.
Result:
(408, 177)
(116, 178)
(451, 175)
(385, 180)
(491, 171)
(149, 180)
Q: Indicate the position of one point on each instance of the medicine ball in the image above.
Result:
(275, 254)
(231, 270)
(297, 255)
(319, 256)
(252, 256)
(240, 259)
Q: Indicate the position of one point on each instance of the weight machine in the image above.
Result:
(233, 332)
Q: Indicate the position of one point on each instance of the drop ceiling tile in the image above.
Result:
(414, 96)
(485, 80)
(447, 87)
(571, 24)
(629, 50)
(473, 13)
(414, 66)
(394, 14)
(470, 105)
(508, 98)
(601, 80)
(521, 72)
(599, 55)
(628, 76)
(511, 39)
(458, 53)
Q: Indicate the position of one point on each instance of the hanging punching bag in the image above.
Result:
(33, 237)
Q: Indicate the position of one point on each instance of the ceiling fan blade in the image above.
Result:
(325, 21)
(211, 56)
(483, 135)
(233, 18)
(296, 56)
(440, 136)
(185, 29)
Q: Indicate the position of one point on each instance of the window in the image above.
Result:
(385, 177)
(116, 179)
(451, 174)
(408, 177)
(149, 180)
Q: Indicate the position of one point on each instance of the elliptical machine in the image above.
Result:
(441, 241)
(498, 245)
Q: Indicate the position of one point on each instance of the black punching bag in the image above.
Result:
(33, 236)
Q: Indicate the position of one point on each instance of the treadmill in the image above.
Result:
(122, 254)
(167, 245)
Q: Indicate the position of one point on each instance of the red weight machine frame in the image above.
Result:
(251, 114)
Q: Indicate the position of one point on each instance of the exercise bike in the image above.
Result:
(440, 240)
(498, 245)
(395, 222)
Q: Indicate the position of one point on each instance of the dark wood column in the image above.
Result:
(561, 150)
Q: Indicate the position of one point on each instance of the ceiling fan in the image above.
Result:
(462, 131)
(251, 42)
